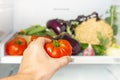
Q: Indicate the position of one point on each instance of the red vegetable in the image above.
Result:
(58, 48)
(34, 37)
(16, 46)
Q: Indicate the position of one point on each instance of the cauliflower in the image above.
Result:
(87, 31)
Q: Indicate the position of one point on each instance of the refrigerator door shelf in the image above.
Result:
(75, 59)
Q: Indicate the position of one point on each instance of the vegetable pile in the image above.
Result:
(88, 35)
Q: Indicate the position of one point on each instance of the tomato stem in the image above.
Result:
(18, 42)
(56, 43)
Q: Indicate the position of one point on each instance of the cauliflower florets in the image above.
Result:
(86, 32)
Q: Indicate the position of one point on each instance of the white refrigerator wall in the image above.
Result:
(6, 17)
(30, 12)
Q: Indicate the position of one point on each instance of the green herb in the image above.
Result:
(70, 29)
(83, 46)
(34, 29)
(103, 41)
(37, 30)
(112, 18)
(99, 50)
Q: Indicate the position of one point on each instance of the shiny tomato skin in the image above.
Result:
(64, 48)
(16, 46)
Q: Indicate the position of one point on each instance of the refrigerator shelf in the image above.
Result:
(75, 59)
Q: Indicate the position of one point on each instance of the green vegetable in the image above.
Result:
(103, 41)
(112, 18)
(36, 30)
(32, 30)
(69, 31)
(83, 46)
(99, 50)
(45, 33)
(70, 28)
(115, 29)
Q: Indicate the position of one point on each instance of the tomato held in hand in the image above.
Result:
(58, 48)
(16, 46)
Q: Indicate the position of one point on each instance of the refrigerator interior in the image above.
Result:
(20, 14)
(6, 18)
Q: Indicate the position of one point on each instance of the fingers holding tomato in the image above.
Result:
(16, 46)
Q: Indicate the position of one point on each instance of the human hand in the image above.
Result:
(38, 63)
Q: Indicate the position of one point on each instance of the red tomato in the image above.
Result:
(58, 48)
(16, 46)
(34, 37)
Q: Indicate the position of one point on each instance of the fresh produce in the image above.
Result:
(32, 30)
(76, 47)
(26, 37)
(89, 51)
(66, 30)
(89, 30)
(36, 30)
(114, 50)
(34, 37)
(88, 34)
(16, 46)
(57, 25)
(98, 49)
(112, 18)
(58, 48)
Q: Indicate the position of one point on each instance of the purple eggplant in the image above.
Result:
(57, 25)
(76, 48)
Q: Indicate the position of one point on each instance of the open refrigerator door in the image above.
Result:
(24, 13)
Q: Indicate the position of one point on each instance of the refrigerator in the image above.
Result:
(16, 15)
